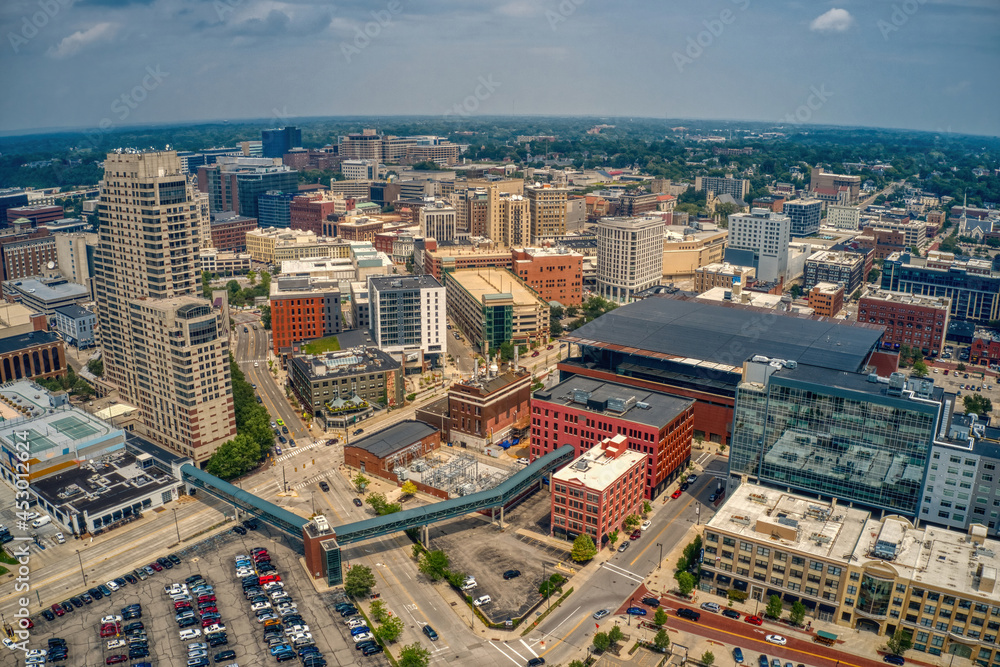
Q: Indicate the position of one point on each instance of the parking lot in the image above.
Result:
(213, 560)
(481, 550)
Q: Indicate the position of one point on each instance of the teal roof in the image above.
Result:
(278, 514)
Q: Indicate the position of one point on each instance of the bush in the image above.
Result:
(737, 596)
(411, 397)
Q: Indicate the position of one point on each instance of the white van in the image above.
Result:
(41, 521)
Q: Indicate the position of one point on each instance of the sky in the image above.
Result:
(914, 64)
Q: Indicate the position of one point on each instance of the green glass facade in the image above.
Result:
(498, 324)
(856, 446)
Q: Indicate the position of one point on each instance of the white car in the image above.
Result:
(190, 633)
(776, 639)
(260, 606)
(295, 629)
(112, 585)
(60, 538)
(480, 601)
(111, 619)
(354, 622)
(218, 627)
(9, 644)
(645, 525)
(364, 636)
(469, 585)
(523, 461)
(115, 643)
(245, 572)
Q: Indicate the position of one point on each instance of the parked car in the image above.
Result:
(711, 606)
(511, 574)
(601, 613)
(776, 639)
(481, 600)
(689, 614)
(676, 494)
(636, 611)
(651, 602)
(894, 659)
(357, 502)
(623, 547)
(730, 613)
(754, 620)
(645, 525)
(738, 654)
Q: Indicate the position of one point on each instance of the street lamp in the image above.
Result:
(660, 564)
(81, 567)
(177, 525)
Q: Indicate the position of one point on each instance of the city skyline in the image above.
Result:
(99, 64)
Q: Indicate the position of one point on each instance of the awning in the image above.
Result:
(789, 598)
(810, 604)
(826, 635)
(705, 574)
(771, 591)
(740, 585)
(723, 579)
(827, 609)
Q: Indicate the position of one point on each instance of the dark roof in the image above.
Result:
(27, 340)
(389, 283)
(396, 437)
(729, 335)
(135, 443)
(73, 311)
(660, 410)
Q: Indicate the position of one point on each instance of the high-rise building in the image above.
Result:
(739, 188)
(75, 256)
(555, 273)
(767, 234)
(547, 206)
(303, 309)
(832, 266)
(408, 313)
(514, 220)
(277, 142)
(438, 221)
(493, 307)
(166, 349)
(236, 183)
(971, 284)
(909, 319)
(274, 209)
(805, 215)
(629, 256)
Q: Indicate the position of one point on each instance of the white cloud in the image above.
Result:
(835, 20)
(81, 39)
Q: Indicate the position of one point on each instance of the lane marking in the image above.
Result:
(624, 572)
(653, 541)
(529, 648)
(504, 654)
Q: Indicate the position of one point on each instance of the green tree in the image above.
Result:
(707, 658)
(434, 564)
(960, 368)
(601, 642)
(551, 585)
(359, 581)
(360, 482)
(685, 583)
(662, 640)
(96, 367)
(408, 488)
(252, 277)
(919, 369)
(583, 548)
(572, 311)
(377, 501)
(798, 613)
(615, 634)
(632, 521)
(577, 663)
(613, 537)
(899, 643)
(977, 404)
(416, 551)
(389, 631)
(773, 609)
(378, 611)
(874, 275)
(391, 508)
(795, 290)
(414, 655)
(647, 507)
(660, 617)
(856, 295)
(265, 317)
(234, 458)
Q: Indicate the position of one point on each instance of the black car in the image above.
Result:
(348, 612)
(684, 486)
(894, 659)
(324, 486)
(689, 614)
(218, 641)
(360, 646)
(193, 578)
(511, 574)
(121, 582)
(359, 431)
(131, 627)
(239, 530)
(67, 605)
(534, 662)
(343, 605)
(77, 602)
(165, 563)
(96, 594)
(431, 634)
(48, 615)
(56, 641)
(131, 578)
(174, 558)
(730, 613)
(371, 650)
(357, 502)
(651, 602)
(224, 655)
(250, 524)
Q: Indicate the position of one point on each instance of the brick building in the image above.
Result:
(39, 214)
(339, 387)
(883, 242)
(26, 255)
(985, 351)
(486, 410)
(595, 492)
(826, 299)
(909, 319)
(582, 412)
(722, 274)
(382, 452)
(35, 354)
(303, 309)
(358, 228)
(309, 212)
(555, 273)
(229, 232)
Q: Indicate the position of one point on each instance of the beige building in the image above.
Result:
(223, 262)
(547, 205)
(844, 217)
(914, 233)
(437, 221)
(629, 258)
(684, 253)
(493, 306)
(273, 245)
(166, 349)
(72, 254)
(721, 274)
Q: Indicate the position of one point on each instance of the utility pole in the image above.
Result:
(81, 567)
(659, 565)
(177, 526)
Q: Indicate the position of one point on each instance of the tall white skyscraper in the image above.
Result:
(767, 234)
(629, 256)
(165, 347)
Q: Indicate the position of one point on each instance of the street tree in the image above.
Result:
(662, 640)
(773, 609)
(377, 501)
(601, 641)
(360, 482)
(359, 581)
(798, 613)
(899, 643)
(390, 630)
(414, 655)
(434, 564)
(632, 521)
(613, 537)
(685, 583)
(583, 548)
(660, 617)
(707, 658)
(378, 611)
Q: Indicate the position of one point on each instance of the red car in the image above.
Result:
(159, 568)
(27, 623)
(755, 620)
(115, 659)
(676, 494)
(206, 598)
(59, 611)
(108, 631)
(636, 534)
(208, 610)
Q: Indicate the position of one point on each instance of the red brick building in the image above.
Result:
(595, 492)
(310, 211)
(883, 242)
(826, 299)
(39, 214)
(32, 355)
(27, 255)
(556, 274)
(909, 319)
(484, 411)
(301, 310)
(229, 232)
(381, 453)
(985, 352)
(582, 411)
(356, 228)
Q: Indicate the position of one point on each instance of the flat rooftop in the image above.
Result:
(344, 362)
(384, 283)
(51, 291)
(390, 440)
(596, 470)
(940, 558)
(487, 283)
(908, 299)
(681, 329)
(26, 340)
(815, 527)
(55, 431)
(616, 400)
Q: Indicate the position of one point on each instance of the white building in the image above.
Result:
(77, 325)
(360, 170)
(408, 314)
(767, 234)
(438, 221)
(629, 256)
(843, 217)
